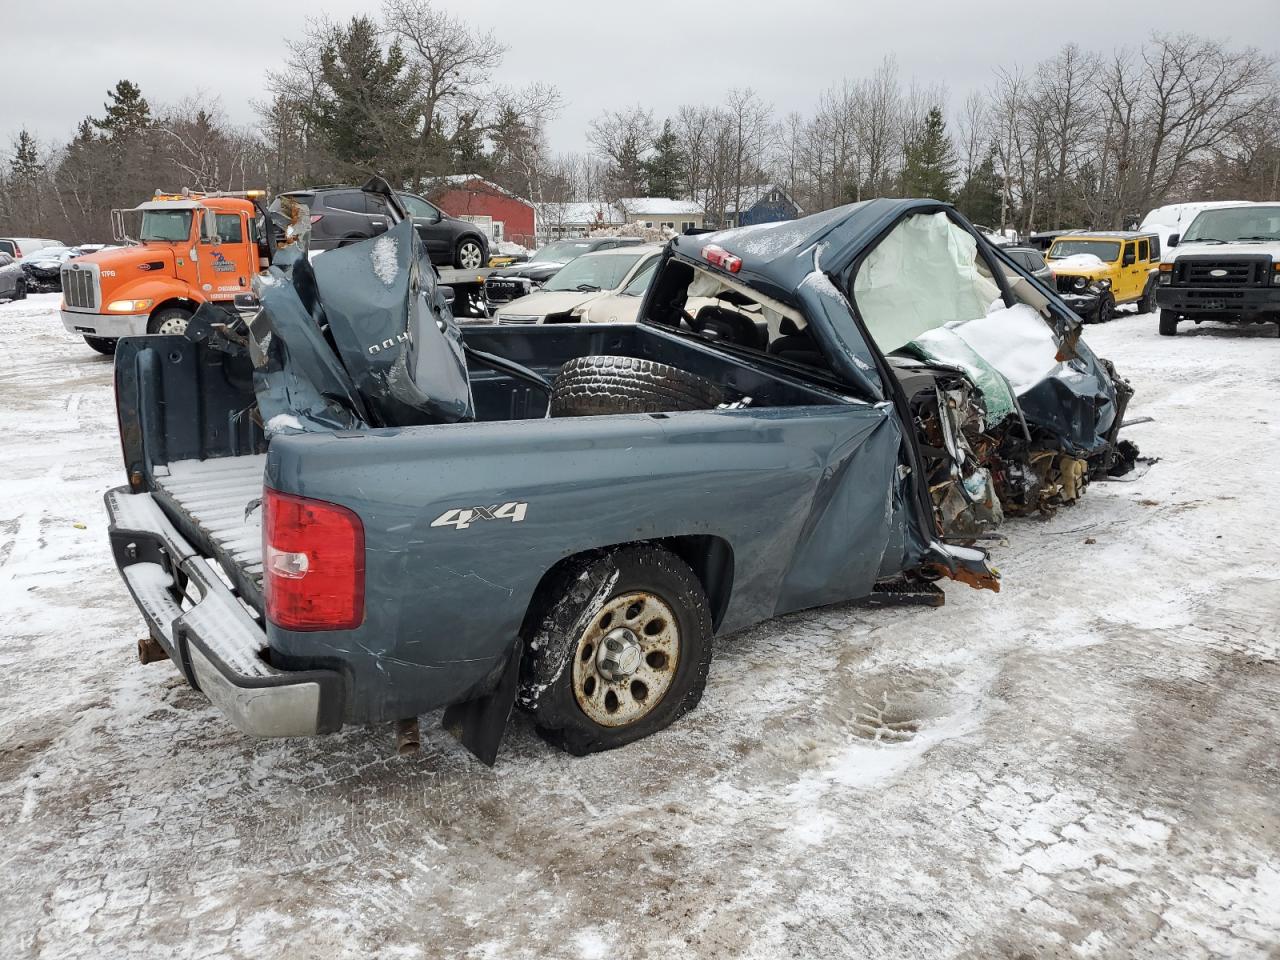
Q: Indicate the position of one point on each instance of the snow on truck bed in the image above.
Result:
(221, 499)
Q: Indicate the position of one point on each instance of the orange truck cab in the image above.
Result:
(189, 249)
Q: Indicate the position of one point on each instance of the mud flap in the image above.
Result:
(480, 723)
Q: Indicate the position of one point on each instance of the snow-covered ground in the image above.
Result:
(1086, 764)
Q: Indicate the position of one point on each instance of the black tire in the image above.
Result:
(1148, 302)
(1168, 323)
(20, 289)
(104, 345)
(599, 385)
(169, 315)
(469, 254)
(1106, 308)
(564, 615)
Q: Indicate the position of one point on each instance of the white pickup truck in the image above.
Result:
(1225, 267)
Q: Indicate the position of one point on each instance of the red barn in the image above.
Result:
(470, 197)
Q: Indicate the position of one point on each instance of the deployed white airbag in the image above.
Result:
(924, 274)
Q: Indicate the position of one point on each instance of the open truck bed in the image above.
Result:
(216, 504)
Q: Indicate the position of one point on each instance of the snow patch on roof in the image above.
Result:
(386, 262)
(659, 207)
(1080, 261)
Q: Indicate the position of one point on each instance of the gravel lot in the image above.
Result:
(1083, 765)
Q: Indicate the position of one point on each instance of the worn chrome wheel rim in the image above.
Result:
(470, 256)
(626, 659)
(174, 326)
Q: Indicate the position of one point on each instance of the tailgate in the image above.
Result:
(217, 505)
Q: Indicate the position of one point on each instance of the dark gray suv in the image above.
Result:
(342, 215)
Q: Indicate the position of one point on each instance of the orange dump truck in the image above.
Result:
(189, 248)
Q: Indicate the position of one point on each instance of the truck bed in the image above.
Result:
(216, 504)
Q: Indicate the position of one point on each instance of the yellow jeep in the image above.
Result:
(1096, 271)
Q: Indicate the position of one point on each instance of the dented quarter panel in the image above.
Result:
(801, 494)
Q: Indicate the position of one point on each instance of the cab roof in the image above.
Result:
(1108, 234)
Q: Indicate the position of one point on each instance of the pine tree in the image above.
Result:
(467, 142)
(930, 168)
(25, 167)
(979, 197)
(370, 118)
(127, 112)
(663, 169)
(23, 187)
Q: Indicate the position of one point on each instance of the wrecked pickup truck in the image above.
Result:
(346, 509)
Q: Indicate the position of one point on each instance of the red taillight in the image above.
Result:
(312, 562)
(317, 217)
(722, 258)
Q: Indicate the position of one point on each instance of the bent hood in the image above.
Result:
(1079, 265)
(544, 303)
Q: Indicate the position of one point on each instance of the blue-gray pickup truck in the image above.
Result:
(344, 507)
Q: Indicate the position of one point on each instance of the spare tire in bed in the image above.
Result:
(597, 386)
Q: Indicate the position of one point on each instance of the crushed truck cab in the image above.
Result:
(190, 249)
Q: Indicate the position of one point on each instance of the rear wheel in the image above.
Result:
(171, 321)
(104, 345)
(619, 650)
(469, 255)
(1168, 323)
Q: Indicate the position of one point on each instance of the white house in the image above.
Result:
(658, 213)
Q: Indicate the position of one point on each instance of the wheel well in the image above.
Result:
(471, 236)
(189, 305)
(709, 557)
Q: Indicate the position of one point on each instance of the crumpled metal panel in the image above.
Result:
(299, 382)
(393, 330)
(1073, 400)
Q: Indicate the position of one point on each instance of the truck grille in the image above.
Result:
(80, 286)
(1066, 284)
(1222, 273)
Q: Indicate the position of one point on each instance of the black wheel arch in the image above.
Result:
(708, 556)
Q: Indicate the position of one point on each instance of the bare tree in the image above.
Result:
(624, 138)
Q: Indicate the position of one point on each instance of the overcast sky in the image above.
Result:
(56, 62)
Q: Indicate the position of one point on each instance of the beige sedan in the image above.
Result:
(571, 295)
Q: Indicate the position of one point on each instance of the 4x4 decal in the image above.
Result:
(463, 517)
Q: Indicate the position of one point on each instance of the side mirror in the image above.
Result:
(209, 227)
(1129, 260)
(1173, 239)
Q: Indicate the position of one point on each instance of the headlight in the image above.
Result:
(1079, 283)
(129, 306)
